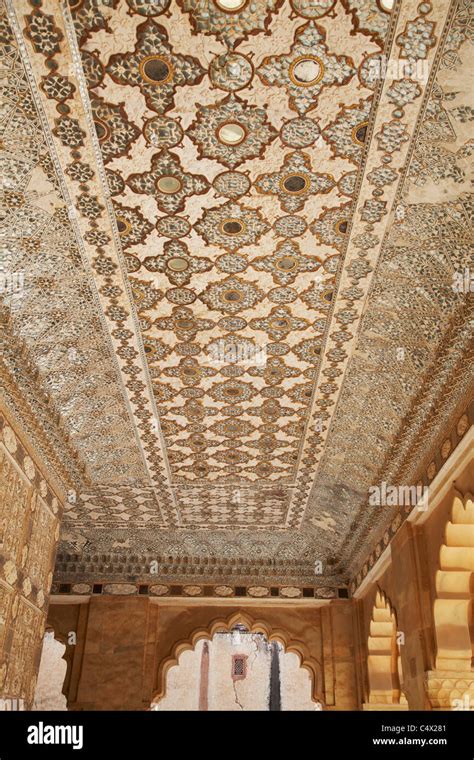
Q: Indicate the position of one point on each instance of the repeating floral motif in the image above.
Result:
(417, 38)
(208, 17)
(231, 184)
(369, 17)
(114, 131)
(295, 182)
(391, 301)
(279, 323)
(177, 263)
(332, 226)
(231, 226)
(168, 183)
(231, 71)
(133, 228)
(347, 134)
(184, 323)
(307, 69)
(294, 334)
(154, 68)
(212, 121)
(286, 263)
(65, 344)
(91, 16)
(43, 33)
(231, 295)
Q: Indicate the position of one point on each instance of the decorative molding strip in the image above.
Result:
(132, 566)
(223, 591)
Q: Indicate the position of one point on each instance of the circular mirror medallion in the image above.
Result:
(169, 184)
(306, 71)
(123, 226)
(155, 69)
(232, 392)
(279, 324)
(185, 324)
(386, 5)
(286, 263)
(231, 6)
(177, 264)
(295, 184)
(102, 130)
(231, 133)
(359, 133)
(232, 295)
(190, 372)
(341, 226)
(232, 227)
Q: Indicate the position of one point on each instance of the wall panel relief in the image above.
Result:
(30, 509)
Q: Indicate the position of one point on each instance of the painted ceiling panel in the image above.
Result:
(240, 222)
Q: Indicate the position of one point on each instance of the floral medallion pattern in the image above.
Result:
(231, 183)
(306, 69)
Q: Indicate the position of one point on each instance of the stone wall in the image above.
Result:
(30, 510)
(126, 648)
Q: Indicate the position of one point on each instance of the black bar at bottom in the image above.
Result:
(129, 734)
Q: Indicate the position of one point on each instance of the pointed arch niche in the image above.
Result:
(383, 660)
(238, 621)
(451, 685)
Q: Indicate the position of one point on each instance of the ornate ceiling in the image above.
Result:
(237, 245)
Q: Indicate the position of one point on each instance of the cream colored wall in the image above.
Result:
(295, 685)
(52, 672)
(249, 693)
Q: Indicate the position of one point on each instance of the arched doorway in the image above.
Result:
(236, 668)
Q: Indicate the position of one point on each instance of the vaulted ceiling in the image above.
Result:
(232, 229)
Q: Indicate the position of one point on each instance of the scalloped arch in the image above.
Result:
(254, 625)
